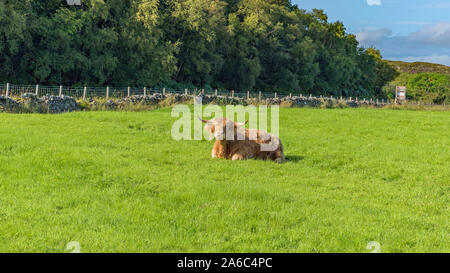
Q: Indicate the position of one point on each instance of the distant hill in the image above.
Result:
(420, 67)
(425, 82)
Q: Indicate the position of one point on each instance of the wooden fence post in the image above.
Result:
(290, 95)
(185, 91)
(259, 96)
(248, 95)
(7, 90)
(215, 92)
(107, 92)
(276, 95)
(37, 89)
(60, 90)
(145, 91)
(232, 93)
(164, 91)
(129, 91)
(84, 93)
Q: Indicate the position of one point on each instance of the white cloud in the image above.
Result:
(429, 44)
(374, 2)
(437, 59)
(418, 23)
(438, 34)
(370, 36)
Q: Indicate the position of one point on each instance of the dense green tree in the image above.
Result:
(197, 26)
(384, 72)
(13, 35)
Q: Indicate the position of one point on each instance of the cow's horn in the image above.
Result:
(204, 121)
(241, 123)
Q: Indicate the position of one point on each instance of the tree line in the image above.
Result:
(264, 45)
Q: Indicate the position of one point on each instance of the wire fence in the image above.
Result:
(17, 90)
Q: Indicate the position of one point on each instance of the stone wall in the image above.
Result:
(54, 104)
(9, 105)
(30, 103)
(295, 101)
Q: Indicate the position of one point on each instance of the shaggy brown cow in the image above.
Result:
(245, 143)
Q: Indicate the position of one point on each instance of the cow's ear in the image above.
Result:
(210, 128)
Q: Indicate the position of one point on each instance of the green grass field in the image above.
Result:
(117, 182)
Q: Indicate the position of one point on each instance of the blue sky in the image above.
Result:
(406, 30)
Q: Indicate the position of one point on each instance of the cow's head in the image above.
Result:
(220, 128)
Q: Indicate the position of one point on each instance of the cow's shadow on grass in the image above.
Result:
(294, 158)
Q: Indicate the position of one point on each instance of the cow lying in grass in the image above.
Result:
(237, 143)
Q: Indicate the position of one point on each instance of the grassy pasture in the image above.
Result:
(117, 182)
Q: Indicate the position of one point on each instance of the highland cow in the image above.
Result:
(235, 142)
